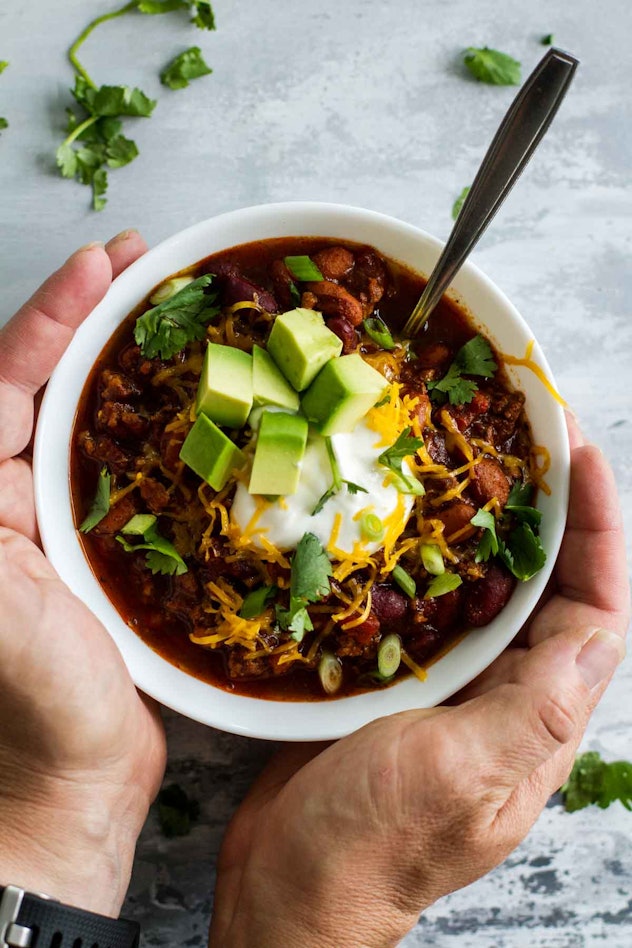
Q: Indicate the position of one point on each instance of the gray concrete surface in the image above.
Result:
(365, 102)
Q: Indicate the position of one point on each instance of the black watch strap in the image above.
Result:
(36, 921)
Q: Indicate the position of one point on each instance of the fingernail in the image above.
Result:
(124, 235)
(95, 243)
(599, 656)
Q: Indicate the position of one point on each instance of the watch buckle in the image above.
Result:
(13, 935)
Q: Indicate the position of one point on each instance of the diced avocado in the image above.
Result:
(301, 345)
(269, 386)
(208, 452)
(278, 455)
(225, 390)
(342, 393)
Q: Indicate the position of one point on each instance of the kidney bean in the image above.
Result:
(282, 281)
(235, 288)
(489, 481)
(335, 263)
(455, 517)
(443, 612)
(389, 605)
(345, 331)
(485, 597)
(334, 300)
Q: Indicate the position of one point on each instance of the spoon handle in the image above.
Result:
(519, 134)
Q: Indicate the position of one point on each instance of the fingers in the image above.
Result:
(124, 249)
(518, 727)
(591, 573)
(17, 510)
(32, 343)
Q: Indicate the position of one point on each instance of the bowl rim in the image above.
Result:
(201, 701)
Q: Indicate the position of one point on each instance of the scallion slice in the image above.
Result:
(330, 673)
(389, 655)
(404, 580)
(432, 559)
(371, 528)
(443, 584)
(166, 290)
(303, 269)
(376, 328)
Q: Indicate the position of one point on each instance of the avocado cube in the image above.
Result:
(342, 393)
(301, 345)
(269, 386)
(208, 452)
(280, 448)
(225, 390)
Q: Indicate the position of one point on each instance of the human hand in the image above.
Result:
(346, 846)
(81, 752)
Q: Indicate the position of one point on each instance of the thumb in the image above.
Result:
(522, 724)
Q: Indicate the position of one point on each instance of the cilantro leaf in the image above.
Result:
(547, 40)
(101, 503)
(520, 495)
(592, 780)
(162, 556)
(204, 17)
(492, 66)
(474, 358)
(176, 811)
(378, 331)
(184, 67)
(99, 187)
(354, 488)
(167, 328)
(460, 201)
(522, 552)
(405, 446)
(309, 582)
(322, 500)
(488, 544)
(311, 570)
(257, 601)
(3, 123)
(338, 480)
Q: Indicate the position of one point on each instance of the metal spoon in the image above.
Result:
(518, 135)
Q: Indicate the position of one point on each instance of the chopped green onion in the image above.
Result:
(330, 673)
(371, 528)
(376, 328)
(404, 580)
(432, 559)
(303, 269)
(166, 290)
(139, 525)
(256, 601)
(443, 584)
(389, 655)
(294, 293)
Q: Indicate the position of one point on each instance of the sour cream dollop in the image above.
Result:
(285, 521)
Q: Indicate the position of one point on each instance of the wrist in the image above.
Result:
(71, 840)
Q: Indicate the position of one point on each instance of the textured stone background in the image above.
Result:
(365, 102)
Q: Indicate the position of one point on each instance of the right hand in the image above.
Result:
(344, 847)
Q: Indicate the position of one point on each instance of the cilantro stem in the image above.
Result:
(76, 132)
(83, 36)
(335, 470)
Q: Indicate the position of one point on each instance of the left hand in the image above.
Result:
(81, 752)
(346, 846)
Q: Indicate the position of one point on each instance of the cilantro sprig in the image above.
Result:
(406, 446)
(168, 327)
(161, 556)
(101, 503)
(474, 358)
(592, 780)
(309, 582)
(521, 550)
(3, 121)
(492, 66)
(94, 143)
(338, 480)
(256, 601)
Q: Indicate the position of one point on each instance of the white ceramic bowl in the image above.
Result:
(279, 720)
